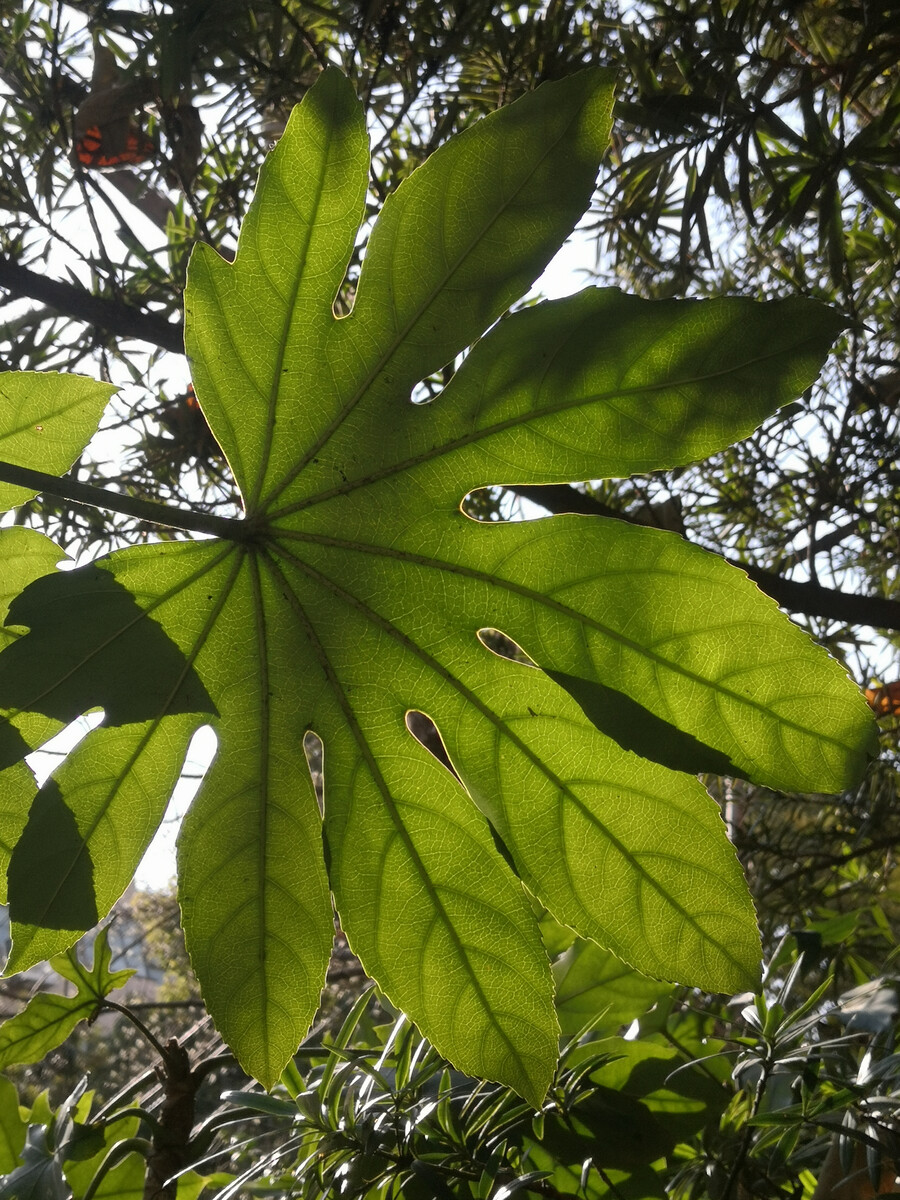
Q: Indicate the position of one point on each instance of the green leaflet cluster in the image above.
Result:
(357, 592)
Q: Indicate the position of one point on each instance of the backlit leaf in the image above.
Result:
(12, 1127)
(46, 420)
(355, 592)
(591, 983)
(49, 1018)
(25, 555)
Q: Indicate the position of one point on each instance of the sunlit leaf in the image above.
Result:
(355, 592)
(25, 555)
(125, 1181)
(46, 420)
(591, 983)
(12, 1127)
(49, 1018)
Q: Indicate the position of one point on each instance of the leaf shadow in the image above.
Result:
(90, 645)
(52, 848)
(635, 728)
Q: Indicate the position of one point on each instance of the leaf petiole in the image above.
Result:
(66, 488)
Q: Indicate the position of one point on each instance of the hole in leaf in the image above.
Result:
(426, 734)
(315, 760)
(501, 504)
(484, 504)
(344, 300)
(504, 647)
(427, 389)
(432, 385)
(157, 867)
(346, 295)
(51, 755)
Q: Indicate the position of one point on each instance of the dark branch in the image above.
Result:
(560, 498)
(114, 316)
(813, 600)
(823, 862)
(808, 598)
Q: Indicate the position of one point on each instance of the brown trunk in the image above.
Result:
(172, 1139)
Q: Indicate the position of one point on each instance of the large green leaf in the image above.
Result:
(355, 592)
(39, 1177)
(594, 987)
(12, 1127)
(125, 1181)
(681, 1093)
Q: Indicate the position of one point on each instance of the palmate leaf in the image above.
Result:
(355, 592)
(49, 1018)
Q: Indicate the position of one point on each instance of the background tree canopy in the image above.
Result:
(752, 155)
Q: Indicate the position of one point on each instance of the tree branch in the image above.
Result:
(813, 600)
(146, 199)
(808, 598)
(114, 316)
(826, 862)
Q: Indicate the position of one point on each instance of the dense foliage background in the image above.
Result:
(753, 154)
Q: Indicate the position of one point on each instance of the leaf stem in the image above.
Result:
(740, 1158)
(139, 1025)
(66, 488)
(116, 1154)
